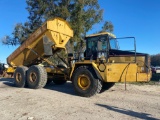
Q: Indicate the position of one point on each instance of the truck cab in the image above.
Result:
(115, 64)
(99, 45)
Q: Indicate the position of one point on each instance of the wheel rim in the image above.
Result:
(33, 77)
(18, 77)
(84, 82)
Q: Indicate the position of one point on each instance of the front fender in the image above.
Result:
(91, 64)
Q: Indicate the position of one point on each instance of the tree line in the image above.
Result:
(155, 60)
(82, 15)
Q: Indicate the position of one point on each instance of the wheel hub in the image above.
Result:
(83, 82)
(18, 77)
(33, 77)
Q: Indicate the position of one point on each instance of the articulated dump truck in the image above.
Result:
(91, 71)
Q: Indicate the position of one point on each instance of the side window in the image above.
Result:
(102, 44)
(94, 46)
(113, 44)
(91, 46)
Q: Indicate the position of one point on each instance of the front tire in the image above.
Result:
(20, 76)
(84, 83)
(36, 77)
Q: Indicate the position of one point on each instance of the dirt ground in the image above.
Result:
(61, 103)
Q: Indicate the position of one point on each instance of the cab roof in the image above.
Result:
(102, 33)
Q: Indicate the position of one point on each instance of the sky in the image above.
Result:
(131, 18)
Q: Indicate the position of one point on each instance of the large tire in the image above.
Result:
(36, 77)
(20, 76)
(84, 82)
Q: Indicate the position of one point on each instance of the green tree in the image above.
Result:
(155, 60)
(81, 14)
(108, 26)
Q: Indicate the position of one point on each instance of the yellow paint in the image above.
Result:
(84, 82)
(121, 72)
(10, 70)
(53, 70)
(57, 30)
(103, 33)
(142, 77)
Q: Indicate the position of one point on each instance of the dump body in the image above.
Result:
(44, 42)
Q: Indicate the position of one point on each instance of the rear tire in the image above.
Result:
(36, 77)
(84, 83)
(20, 76)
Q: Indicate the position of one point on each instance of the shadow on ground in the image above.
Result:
(7, 81)
(65, 88)
(131, 113)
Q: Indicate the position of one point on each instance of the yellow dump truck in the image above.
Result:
(91, 70)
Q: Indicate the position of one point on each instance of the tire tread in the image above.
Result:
(97, 83)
